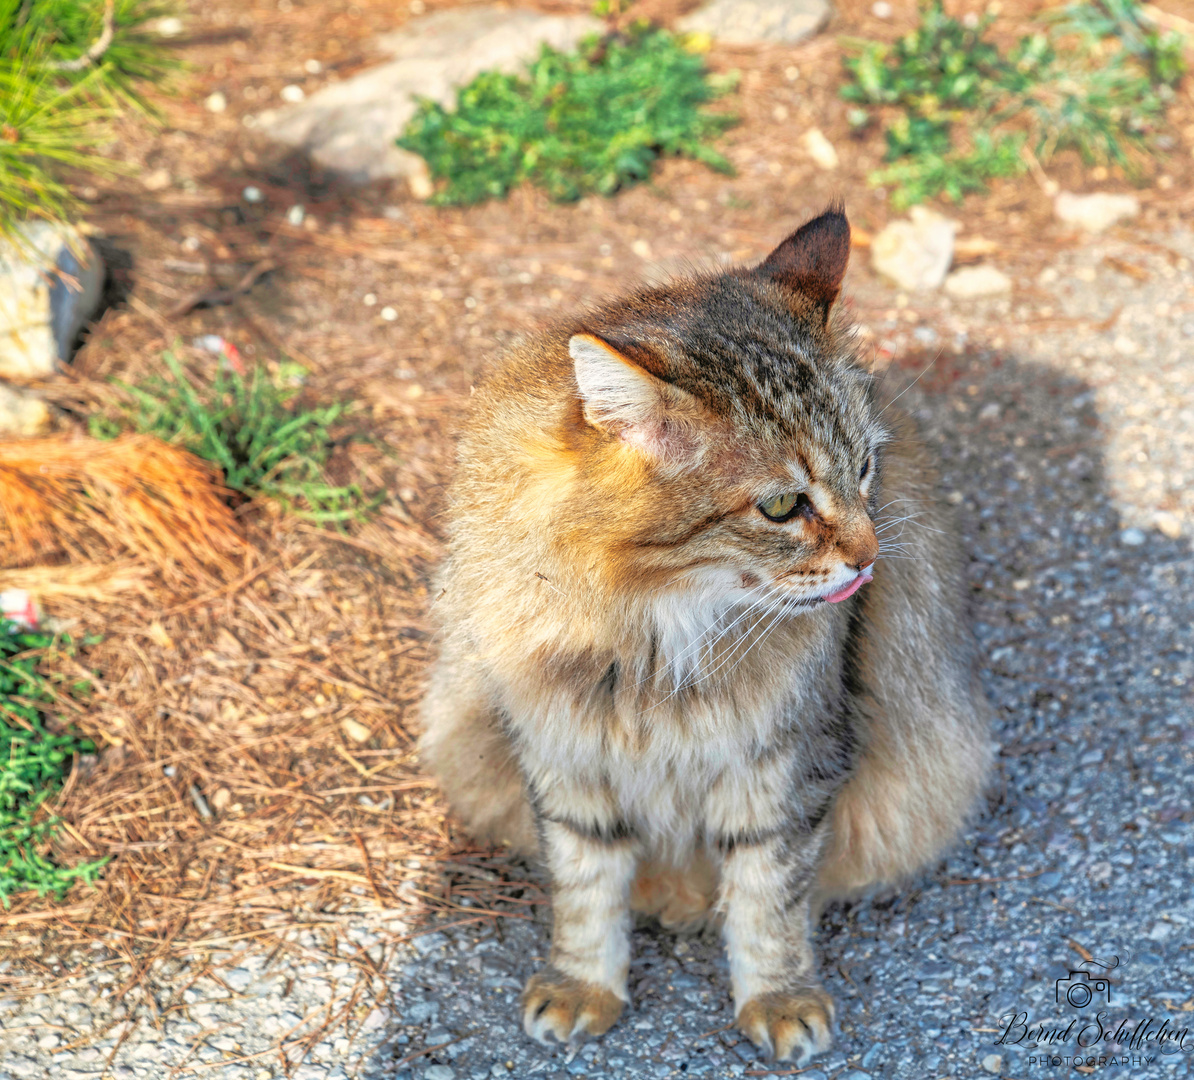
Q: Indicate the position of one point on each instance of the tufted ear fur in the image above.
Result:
(625, 400)
(812, 261)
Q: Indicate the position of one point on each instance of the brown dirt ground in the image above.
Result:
(251, 689)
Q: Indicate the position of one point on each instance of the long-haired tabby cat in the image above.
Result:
(660, 669)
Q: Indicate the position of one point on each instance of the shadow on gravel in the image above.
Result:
(1084, 821)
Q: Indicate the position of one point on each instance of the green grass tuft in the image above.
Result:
(254, 430)
(1096, 78)
(595, 120)
(33, 765)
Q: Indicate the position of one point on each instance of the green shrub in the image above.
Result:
(591, 121)
(1095, 79)
(253, 429)
(33, 764)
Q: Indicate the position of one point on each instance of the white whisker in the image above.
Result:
(785, 609)
(911, 384)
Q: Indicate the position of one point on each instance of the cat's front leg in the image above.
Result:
(778, 999)
(772, 842)
(582, 989)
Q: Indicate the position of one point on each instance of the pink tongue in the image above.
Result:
(848, 590)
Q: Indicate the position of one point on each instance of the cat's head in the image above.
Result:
(731, 445)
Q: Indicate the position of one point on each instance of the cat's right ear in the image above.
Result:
(812, 261)
(624, 399)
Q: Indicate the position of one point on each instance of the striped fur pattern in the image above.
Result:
(672, 696)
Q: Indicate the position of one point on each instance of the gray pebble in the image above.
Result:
(421, 1011)
(428, 943)
(238, 979)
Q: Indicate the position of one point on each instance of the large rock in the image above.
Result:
(745, 22)
(41, 312)
(22, 412)
(915, 252)
(1095, 212)
(350, 126)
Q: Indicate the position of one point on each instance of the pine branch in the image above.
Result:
(97, 48)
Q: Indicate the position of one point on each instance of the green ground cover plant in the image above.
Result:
(957, 112)
(254, 428)
(34, 762)
(595, 120)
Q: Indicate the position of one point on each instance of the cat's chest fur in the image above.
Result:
(646, 739)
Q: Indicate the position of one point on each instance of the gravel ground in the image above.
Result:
(1065, 417)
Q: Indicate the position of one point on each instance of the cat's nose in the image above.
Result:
(857, 544)
(861, 554)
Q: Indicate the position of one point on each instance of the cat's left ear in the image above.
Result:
(812, 261)
(621, 397)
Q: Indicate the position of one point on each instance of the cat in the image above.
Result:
(703, 646)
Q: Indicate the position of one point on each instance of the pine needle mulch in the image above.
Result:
(252, 704)
(68, 496)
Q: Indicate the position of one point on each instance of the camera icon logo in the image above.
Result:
(1079, 989)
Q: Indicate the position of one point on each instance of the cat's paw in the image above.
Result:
(791, 1026)
(555, 1004)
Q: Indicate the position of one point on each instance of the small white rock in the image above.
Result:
(820, 149)
(881, 9)
(389, 314)
(1125, 346)
(156, 180)
(369, 299)
(292, 94)
(750, 22)
(216, 102)
(252, 194)
(377, 1018)
(1132, 537)
(641, 248)
(312, 67)
(993, 1063)
(440, 1072)
(1168, 524)
(171, 26)
(419, 180)
(1094, 212)
(295, 215)
(915, 252)
(974, 281)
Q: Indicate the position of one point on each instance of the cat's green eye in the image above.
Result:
(782, 507)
